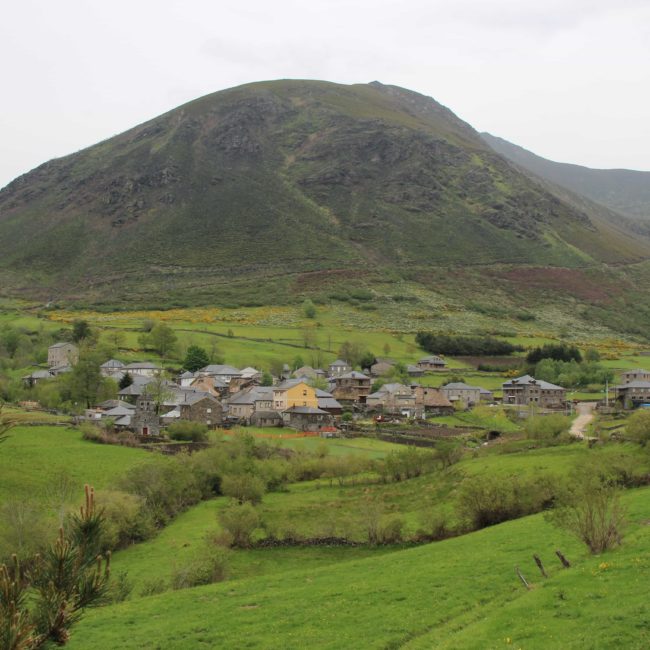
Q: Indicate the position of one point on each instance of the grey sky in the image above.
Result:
(568, 79)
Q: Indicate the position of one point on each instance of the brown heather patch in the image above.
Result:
(575, 282)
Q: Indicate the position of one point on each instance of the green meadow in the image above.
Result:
(459, 593)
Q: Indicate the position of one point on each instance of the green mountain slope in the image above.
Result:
(622, 190)
(239, 194)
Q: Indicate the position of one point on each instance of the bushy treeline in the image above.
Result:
(556, 351)
(572, 374)
(464, 345)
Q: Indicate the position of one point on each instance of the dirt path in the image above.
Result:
(585, 412)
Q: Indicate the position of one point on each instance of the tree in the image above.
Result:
(86, 378)
(195, 359)
(125, 381)
(308, 309)
(80, 330)
(10, 340)
(240, 521)
(158, 391)
(367, 360)
(40, 606)
(267, 379)
(163, 339)
(309, 337)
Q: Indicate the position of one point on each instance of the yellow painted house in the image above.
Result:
(293, 392)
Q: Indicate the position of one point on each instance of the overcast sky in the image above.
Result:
(567, 79)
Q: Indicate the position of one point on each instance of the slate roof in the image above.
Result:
(338, 364)
(526, 380)
(634, 384)
(354, 375)
(459, 385)
(221, 369)
(112, 363)
(306, 410)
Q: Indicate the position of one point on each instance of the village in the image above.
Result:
(311, 400)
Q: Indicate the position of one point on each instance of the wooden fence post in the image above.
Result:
(564, 561)
(540, 565)
(521, 577)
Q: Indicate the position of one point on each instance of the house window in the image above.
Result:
(209, 410)
(304, 393)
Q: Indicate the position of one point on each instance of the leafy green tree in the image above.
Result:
(367, 360)
(86, 378)
(308, 309)
(267, 379)
(163, 339)
(195, 359)
(80, 330)
(10, 339)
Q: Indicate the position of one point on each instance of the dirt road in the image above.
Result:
(585, 412)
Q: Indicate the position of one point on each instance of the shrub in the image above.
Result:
(243, 487)
(125, 517)
(391, 530)
(545, 427)
(638, 427)
(240, 521)
(190, 431)
(488, 500)
(211, 567)
(433, 525)
(153, 586)
(592, 512)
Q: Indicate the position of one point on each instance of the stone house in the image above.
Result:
(351, 387)
(433, 362)
(432, 400)
(633, 394)
(146, 418)
(62, 354)
(142, 369)
(381, 367)
(395, 398)
(307, 418)
(327, 402)
(635, 375)
(112, 368)
(202, 408)
(219, 371)
(338, 368)
(458, 391)
(245, 403)
(527, 390)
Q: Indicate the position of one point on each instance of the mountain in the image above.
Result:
(622, 190)
(269, 191)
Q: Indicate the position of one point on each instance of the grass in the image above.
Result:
(33, 456)
(446, 594)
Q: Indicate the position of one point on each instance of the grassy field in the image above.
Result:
(33, 456)
(460, 593)
(325, 508)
